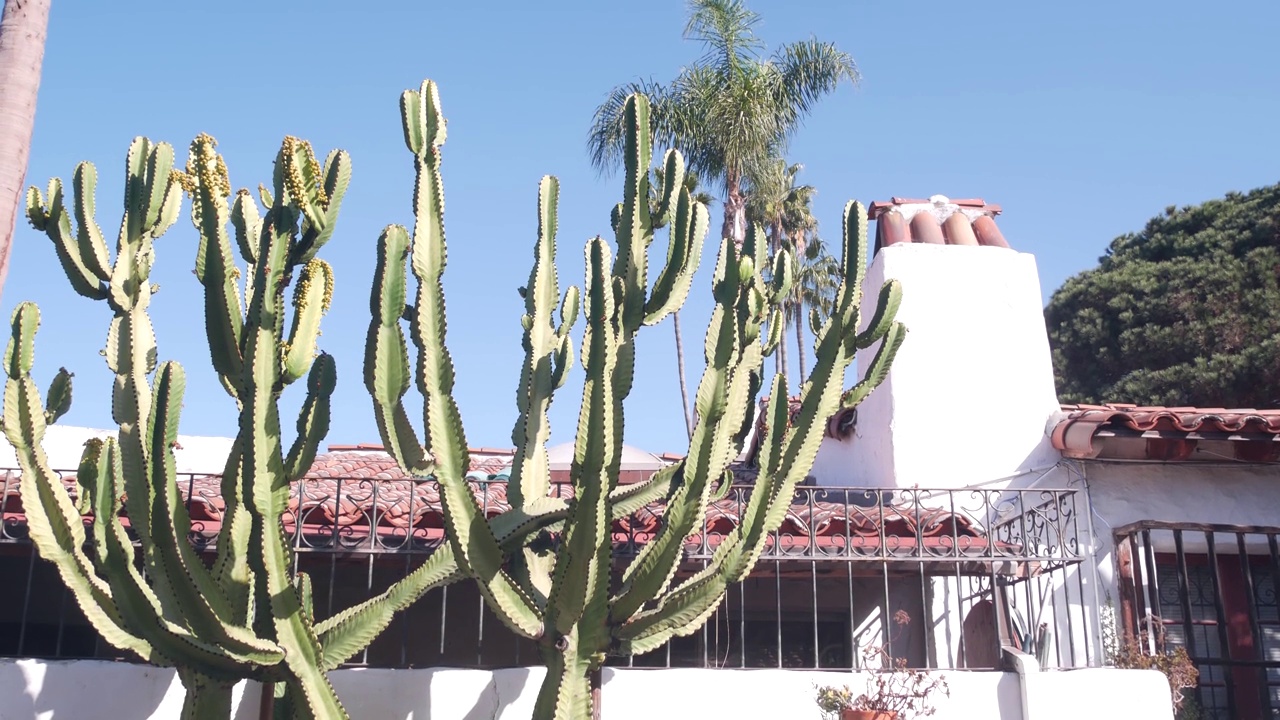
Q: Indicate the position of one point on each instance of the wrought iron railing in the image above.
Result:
(842, 565)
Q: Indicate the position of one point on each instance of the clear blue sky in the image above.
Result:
(1082, 119)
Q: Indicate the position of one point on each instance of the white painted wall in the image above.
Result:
(969, 397)
(1228, 494)
(34, 690)
(63, 445)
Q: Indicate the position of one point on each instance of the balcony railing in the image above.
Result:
(843, 561)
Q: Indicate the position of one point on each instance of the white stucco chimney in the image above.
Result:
(970, 394)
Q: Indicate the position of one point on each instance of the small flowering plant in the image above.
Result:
(900, 693)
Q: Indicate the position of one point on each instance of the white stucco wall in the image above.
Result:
(34, 690)
(969, 397)
(63, 445)
(1227, 494)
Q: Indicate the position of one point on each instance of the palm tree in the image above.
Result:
(731, 108)
(729, 111)
(22, 33)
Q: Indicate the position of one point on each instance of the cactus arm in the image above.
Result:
(56, 224)
(774, 338)
(635, 227)
(684, 252)
(688, 605)
(548, 357)
(136, 191)
(787, 454)
(313, 420)
(215, 267)
(782, 277)
(171, 206)
(57, 400)
(531, 471)
(54, 524)
(281, 607)
(231, 567)
(627, 499)
(470, 536)
(563, 355)
(187, 591)
(36, 213)
(119, 295)
(582, 567)
(160, 519)
(302, 582)
(475, 544)
(348, 632)
(248, 226)
(886, 309)
(686, 511)
(386, 366)
(303, 181)
(878, 370)
(771, 445)
(317, 192)
(337, 175)
(721, 394)
(92, 246)
(311, 299)
(139, 607)
(672, 185)
(157, 184)
(208, 183)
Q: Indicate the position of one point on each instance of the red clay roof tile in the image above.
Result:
(376, 498)
(1074, 435)
(937, 220)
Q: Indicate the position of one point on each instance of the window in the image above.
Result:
(1213, 592)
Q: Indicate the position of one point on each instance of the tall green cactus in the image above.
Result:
(563, 597)
(248, 615)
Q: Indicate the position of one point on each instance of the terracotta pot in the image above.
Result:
(847, 714)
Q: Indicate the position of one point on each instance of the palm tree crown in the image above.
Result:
(731, 110)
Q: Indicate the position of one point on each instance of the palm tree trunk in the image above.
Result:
(22, 34)
(735, 205)
(684, 387)
(799, 321)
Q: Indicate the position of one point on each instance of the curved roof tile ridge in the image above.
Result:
(1074, 434)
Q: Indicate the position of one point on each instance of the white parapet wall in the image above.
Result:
(969, 396)
(86, 689)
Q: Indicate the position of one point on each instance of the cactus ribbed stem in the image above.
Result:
(564, 598)
(206, 698)
(249, 615)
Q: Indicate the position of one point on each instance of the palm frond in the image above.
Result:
(607, 134)
(725, 28)
(808, 70)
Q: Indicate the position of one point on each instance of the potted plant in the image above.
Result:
(900, 693)
(1149, 650)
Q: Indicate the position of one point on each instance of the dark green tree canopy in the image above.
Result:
(1186, 312)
